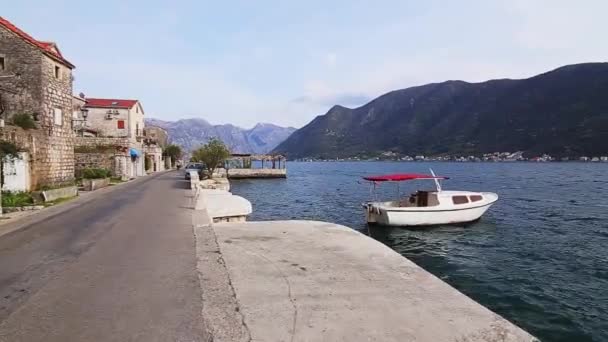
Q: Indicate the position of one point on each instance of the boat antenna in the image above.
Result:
(437, 183)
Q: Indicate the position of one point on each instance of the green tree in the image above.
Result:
(212, 154)
(174, 152)
(24, 120)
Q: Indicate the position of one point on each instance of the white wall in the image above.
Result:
(136, 119)
(17, 173)
(108, 127)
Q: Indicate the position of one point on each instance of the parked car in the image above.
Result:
(198, 167)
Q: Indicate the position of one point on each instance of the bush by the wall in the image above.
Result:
(25, 121)
(93, 173)
(16, 199)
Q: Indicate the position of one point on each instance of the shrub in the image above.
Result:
(25, 121)
(16, 199)
(93, 173)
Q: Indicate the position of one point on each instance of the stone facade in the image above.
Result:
(38, 82)
(154, 154)
(102, 160)
(108, 153)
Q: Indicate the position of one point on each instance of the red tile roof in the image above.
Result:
(48, 48)
(110, 103)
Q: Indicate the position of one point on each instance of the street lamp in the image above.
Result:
(85, 113)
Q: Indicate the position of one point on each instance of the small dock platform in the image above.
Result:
(247, 166)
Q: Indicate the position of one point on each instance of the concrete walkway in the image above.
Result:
(120, 267)
(315, 281)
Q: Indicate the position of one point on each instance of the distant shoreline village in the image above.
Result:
(487, 157)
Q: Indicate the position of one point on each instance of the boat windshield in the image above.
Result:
(420, 199)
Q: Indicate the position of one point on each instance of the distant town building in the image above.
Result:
(111, 136)
(116, 118)
(36, 80)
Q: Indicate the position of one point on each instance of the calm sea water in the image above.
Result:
(539, 257)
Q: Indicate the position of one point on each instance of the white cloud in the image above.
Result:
(331, 59)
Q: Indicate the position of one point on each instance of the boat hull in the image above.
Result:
(400, 217)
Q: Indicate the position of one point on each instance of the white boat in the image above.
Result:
(425, 208)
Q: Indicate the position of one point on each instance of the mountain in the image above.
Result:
(561, 112)
(191, 133)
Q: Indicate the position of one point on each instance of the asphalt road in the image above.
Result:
(121, 267)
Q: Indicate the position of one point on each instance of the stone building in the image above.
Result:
(158, 134)
(116, 118)
(36, 80)
(156, 139)
(116, 127)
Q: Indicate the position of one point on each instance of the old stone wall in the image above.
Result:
(101, 160)
(124, 165)
(101, 141)
(20, 81)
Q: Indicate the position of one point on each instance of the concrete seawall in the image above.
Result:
(317, 281)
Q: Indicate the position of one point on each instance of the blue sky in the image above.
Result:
(285, 62)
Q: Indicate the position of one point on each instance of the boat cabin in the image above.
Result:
(432, 198)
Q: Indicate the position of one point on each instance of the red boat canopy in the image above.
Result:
(398, 177)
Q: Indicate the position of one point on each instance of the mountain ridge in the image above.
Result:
(561, 112)
(193, 132)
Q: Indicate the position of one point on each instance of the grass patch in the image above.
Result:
(16, 199)
(59, 201)
(116, 180)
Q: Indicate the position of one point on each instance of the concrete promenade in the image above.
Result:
(317, 281)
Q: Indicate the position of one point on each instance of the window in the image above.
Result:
(2, 63)
(475, 198)
(58, 117)
(460, 199)
(57, 72)
(120, 124)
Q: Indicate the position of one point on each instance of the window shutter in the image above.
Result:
(58, 116)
